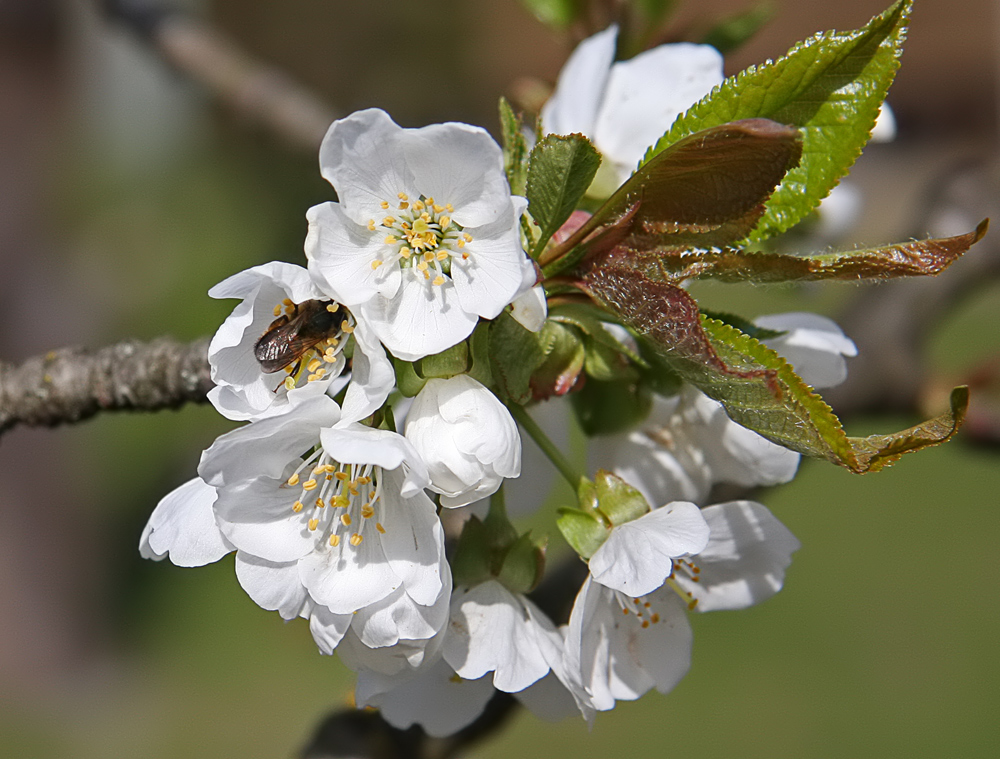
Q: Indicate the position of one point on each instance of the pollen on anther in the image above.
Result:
(345, 520)
(294, 479)
(320, 503)
(342, 476)
(314, 365)
(444, 221)
(384, 204)
(313, 524)
(289, 383)
(379, 527)
(449, 207)
(654, 618)
(376, 263)
(390, 239)
(277, 310)
(371, 225)
(298, 506)
(438, 281)
(335, 540)
(309, 484)
(367, 511)
(356, 539)
(388, 221)
(402, 196)
(347, 329)
(442, 255)
(645, 624)
(332, 307)
(625, 611)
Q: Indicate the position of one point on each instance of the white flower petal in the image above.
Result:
(491, 630)
(644, 95)
(328, 629)
(341, 254)
(745, 560)
(273, 586)
(637, 556)
(814, 346)
(530, 309)
(360, 158)
(258, 517)
(183, 526)
(574, 104)
(373, 377)
(439, 702)
(398, 617)
(421, 320)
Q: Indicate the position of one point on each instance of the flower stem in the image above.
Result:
(559, 461)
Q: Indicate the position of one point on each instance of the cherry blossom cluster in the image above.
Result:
(330, 495)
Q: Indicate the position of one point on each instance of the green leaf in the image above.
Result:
(756, 386)
(704, 191)
(832, 85)
(744, 325)
(560, 169)
(515, 148)
(515, 354)
(564, 360)
(447, 363)
(909, 259)
(607, 408)
(732, 32)
(470, 561)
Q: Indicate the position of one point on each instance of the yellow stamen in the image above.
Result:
(313, 524)
(309, 484)
(402, 196)
(298, 506)
(320, 503)
(294, 479)
(356, 539)
(376, 263)
(384, 204)
(335, 540)
(347, 328)
(379, 527)
(367, 511)
(390, 239)
(314, 365)
(444, 221)
(345, 519)
(438, 281)
(371, 225)
(332, 307)
(277, 310)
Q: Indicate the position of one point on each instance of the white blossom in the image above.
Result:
(425, 236)
(622, 644)
(625, 107)
(466, 436)
(814, 345)
(277, 293)
(331, 523)
(686, 445)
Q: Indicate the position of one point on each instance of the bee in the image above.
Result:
(293, 334)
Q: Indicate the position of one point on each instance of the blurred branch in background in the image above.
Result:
(250, 87)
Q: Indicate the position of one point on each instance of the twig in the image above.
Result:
(73, 384)
(250, 87)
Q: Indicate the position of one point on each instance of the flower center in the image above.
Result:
(421, 236)
(338, 500)
(642, 607)
(306, 340)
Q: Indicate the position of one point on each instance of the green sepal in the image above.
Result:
(523, 565)
(515, 148)
(832, 85)
(447, 363)
(515, 354)
(564, 360)
(470, 561)
(607, 408)
(479, 354)
(408, 382)
(584, 532)
(617, 500)
(560, 169)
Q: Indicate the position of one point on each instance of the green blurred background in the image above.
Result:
(126, 193)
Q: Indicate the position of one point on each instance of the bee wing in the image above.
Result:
(280, 347)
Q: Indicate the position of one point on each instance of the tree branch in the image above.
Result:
(73, 384)
(251, 88)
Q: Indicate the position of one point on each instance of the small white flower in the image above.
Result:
(466, 436)
(622, 644)
(627, 106)
(494, 630)
(281, 304)
(688, 444)
(425, 237)
(814, 345)
(331, 523)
